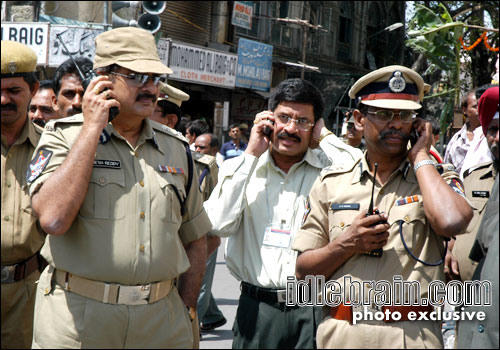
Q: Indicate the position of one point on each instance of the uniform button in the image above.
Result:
(342, 224)
(136, 154)
(46, 290)
(142, 215)
(141, 183)
(11, 155)
(480, 328)
(6, 218)
(8, 184)
(102, 180)
(141, 248)
(407, 218)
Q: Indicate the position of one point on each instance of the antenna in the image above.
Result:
(370, 208)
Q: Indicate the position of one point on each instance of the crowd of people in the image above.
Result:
(111, 223)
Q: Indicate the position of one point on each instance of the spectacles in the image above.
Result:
(141, 78)
(302, 123)
(386, 116)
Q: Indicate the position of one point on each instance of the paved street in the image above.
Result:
(226, 292)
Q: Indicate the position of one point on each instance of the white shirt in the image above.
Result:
(478, 152)
(253, 194)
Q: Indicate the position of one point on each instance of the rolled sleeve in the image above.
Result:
(195, 228)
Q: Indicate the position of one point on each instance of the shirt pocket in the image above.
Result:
(105, 196)
(413, 222)
(340, 221)
(478, 206)
(168, 205)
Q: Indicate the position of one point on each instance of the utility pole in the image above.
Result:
(304, 24)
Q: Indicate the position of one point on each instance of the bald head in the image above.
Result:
(207, 144)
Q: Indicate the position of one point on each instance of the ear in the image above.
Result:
(359, 119)
(54, 102)
(36, 85)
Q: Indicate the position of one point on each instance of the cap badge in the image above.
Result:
(397, 82)
(12, 67)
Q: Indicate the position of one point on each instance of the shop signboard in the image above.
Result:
(33, 35)
(254, 65)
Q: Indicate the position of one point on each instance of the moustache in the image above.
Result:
(386, 133)
(285, 134)
(146, 95)
(39, 122)
(73, 111)
(9, 107)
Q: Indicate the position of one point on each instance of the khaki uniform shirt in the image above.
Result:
(206, 166)
(323, 224)
(478, 182)
(129, 229)
(21, 238)
(253, 194)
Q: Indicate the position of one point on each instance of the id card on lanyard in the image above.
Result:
(274, 236)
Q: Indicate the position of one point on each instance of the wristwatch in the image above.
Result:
(191, 312)
(324, 133)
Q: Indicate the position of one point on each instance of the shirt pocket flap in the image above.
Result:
(103, 177)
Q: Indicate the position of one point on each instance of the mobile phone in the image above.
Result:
(413, 136)
(267, 130)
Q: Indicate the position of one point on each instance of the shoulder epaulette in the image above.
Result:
(204, 159)
(51, 124)
(337, 169)
(169, 131)
(38, 129)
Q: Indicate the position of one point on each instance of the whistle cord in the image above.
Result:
(413, 256)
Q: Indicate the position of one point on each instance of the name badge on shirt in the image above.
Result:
(277, 237)
(481, 194)
(110, 164)
(345, 206)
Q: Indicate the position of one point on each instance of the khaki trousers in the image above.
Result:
(18, 302)
(68, 320)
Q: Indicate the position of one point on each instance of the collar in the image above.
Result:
(147, 134)
(28, 133)
(310, 158)
(404, 169)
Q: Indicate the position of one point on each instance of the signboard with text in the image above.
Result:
(79, 41)
(242, 14)
(254, 65)
(202, 66)
(34, 35)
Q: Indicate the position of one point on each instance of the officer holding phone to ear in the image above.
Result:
(419, 203)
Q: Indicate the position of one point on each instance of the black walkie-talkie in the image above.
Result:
(377, 253)
(113, 111)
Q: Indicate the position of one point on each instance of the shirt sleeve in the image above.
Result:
(337, 154)
(195, 222)
(53, 145)
(314, 231)
(227, 201)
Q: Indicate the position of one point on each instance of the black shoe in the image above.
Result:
(213, 325)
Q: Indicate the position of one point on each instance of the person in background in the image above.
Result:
(259, 203)
(235, 147)
(209, 313)
(436, 133)
(41, 109)
(68, 88)
(244, 132)
(194, 129)
(21, 236)
(457, 147)
(354, 136)
(168, 108)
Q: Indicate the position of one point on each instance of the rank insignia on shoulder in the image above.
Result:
(170, 169)
(457, 186)
(37, 165)
(407, 200)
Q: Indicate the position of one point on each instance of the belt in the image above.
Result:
(344, 312)
(264, 294)
(112, 293)
(18, 272)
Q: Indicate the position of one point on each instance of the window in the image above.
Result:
(281, 32)
(345, 31)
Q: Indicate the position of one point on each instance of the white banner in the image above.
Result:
(34, 35)
(202, 66)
